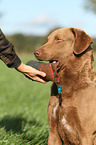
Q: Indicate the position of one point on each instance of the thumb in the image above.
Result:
(41, 73)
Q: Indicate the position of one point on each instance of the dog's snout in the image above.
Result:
(37, 53)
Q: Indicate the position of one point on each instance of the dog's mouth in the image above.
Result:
(56, 62)
(57, 65)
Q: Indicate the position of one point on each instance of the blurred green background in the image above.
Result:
(23, 108)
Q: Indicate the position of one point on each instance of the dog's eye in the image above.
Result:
(58, 40)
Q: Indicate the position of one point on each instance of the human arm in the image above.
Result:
(10, 58)
(7, 52)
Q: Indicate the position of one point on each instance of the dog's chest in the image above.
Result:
(60, 116)
(67, 123)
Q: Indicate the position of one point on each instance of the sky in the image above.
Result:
(38, 17)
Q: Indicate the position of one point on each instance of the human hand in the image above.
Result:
(31, 72)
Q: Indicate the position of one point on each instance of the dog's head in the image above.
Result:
(63, 43)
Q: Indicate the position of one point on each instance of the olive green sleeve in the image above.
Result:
(7, 52)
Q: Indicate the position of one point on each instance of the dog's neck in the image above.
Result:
(78, 73)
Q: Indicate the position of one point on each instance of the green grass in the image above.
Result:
(23, 108)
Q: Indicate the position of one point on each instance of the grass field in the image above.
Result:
(23, 108)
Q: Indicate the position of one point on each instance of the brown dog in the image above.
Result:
(72, 110)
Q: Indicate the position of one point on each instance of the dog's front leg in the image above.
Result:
(54, 138)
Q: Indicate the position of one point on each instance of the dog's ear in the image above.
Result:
(82, 41)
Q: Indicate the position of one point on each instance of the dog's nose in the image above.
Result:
(37, 53)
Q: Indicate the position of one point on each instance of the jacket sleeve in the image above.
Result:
(7, 52)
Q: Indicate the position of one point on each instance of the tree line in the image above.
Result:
(25, 43)
(28, 43)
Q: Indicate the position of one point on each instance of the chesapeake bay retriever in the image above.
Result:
(71, 114)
